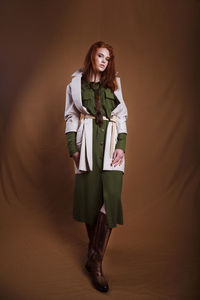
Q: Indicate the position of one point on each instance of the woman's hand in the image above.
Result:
(118, 157)
(76, 158)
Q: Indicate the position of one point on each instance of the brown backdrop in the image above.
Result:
(155, 254)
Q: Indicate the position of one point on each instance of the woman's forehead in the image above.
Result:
(103, 51)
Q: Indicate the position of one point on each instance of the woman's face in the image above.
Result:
(102, 57)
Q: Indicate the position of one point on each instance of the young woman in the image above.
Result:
(95, 115)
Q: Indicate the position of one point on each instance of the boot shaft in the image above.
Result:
(101, 236)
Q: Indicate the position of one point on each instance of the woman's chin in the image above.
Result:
(101, 69)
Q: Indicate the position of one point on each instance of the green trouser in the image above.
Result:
(96, 187)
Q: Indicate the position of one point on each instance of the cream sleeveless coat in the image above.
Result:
(73, 108)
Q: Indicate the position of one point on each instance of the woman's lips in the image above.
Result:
(102, 66)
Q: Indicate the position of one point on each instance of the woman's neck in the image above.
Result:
(98, 77)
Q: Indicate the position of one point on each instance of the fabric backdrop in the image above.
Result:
(155, 254)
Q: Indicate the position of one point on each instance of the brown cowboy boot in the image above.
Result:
(98, 246)
(90, 231)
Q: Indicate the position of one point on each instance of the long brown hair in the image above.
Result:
(108, 76)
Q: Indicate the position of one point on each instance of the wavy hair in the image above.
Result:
(108, 76)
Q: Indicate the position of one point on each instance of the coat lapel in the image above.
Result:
(76, 91)
(118, 94)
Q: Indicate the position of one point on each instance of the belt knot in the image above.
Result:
(112, 119)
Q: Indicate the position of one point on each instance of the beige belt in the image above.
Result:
(113, 120)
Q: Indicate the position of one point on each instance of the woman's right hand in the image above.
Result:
(76, 158)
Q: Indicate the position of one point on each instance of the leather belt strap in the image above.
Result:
(113, 120)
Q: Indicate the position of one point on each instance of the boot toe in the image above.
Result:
(101, 287)
(100, 283)
(104, 289)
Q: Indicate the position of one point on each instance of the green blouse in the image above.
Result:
(108, 103)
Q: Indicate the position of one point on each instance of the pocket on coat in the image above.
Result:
(109, 94)
(86, 101)
(86, 97)
(110, 100)
(112, 97)
(88, 104)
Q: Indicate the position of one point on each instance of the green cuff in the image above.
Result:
(71, 142)
(121, 141)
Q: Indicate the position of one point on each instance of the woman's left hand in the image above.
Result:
(118, 157)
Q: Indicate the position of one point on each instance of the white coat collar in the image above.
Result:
(78, 72)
